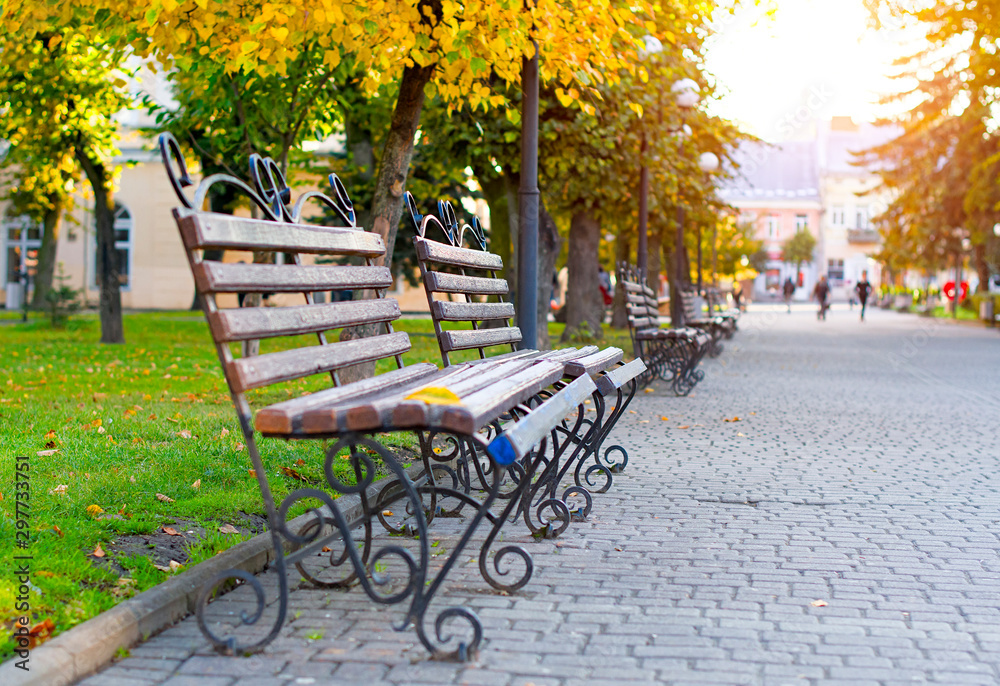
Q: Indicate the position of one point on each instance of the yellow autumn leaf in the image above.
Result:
(435, 395)
(94, 510)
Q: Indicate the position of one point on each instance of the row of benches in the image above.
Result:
(502, 438)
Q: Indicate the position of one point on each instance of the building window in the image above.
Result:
(837, 216)
(801, 223)
(123, 226)
(774, 226)
(835, 272)
(862, 218)
(22, 240)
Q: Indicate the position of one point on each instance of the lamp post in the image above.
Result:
(708, 162)
(686, 96)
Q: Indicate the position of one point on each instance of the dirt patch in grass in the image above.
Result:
(173, 542)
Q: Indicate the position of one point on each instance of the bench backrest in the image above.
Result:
(283, 234)
(640, 301)
(461, 283)
(688, 304)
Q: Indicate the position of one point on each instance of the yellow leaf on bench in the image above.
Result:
(435, 395)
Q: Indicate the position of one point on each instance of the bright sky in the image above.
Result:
(813, 58)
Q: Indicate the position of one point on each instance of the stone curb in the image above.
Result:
(87, 647)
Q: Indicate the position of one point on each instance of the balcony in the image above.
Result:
(862, 236)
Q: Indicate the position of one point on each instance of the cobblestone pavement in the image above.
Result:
(842, 531)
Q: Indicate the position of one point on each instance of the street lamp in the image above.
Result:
(686, 96)
(708, 162)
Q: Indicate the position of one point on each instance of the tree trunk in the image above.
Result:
(653, 264)
(495, 192)
(110, 306)
(982, 268)
(47, 253)
(676, 261)
(549, 245)
(619, 311)
(387, 205)
(584, 304)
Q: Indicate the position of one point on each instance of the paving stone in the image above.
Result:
(856, 476)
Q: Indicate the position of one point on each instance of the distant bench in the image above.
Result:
(672, 355)
(501, 413)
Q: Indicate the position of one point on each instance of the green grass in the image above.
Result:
(119, 418)
(963, 314)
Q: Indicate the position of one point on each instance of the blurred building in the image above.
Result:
(812, 184)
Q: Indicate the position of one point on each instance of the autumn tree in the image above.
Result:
(799, 248)
(59, 93)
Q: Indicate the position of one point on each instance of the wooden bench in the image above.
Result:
(716, 302)
(490, 411)
(468, 305)
(716, 327)
(672, 355)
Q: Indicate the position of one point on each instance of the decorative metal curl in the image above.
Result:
(271, 184)
(170, 151)
(465, 651)
(229, 644)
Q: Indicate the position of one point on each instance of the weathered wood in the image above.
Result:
(440, 282)
(201, 230)
(441, 253)
(445, 310)
(523, 436)
(616, 378)
(481, 338)
(254, 372)
(286, 417)
(594, 363)
(631, 287)
(267, 322)
(220, 277)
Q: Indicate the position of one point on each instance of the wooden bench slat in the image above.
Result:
(517, 441)
(614, 379)
(480, 338)
(201, 230)
(220, 277)
(267, 322)
(441, 253)
(440, 282)
(448, 311)
(254, 372)
(594, 363)
(374, 410)
(631, 287)
(282, 418)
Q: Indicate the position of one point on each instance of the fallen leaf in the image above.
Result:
(224, 432)
(184, 433)
(58, 490)
(50, 435)
(289, 472)
(819, 603)
(739, 433)
(228, 529)
(620, 549)
(40, 632)
(147, 397)
(97, 551)
(101, 430)
(46, 453)
(164, 498)
(169, 531)
(684, 426)
(58, 531)
(151, 417)
(196, 485)
(386, 513)
(175, 565)
(131, 479)
(100, 396)
(647, 390)
(665, 419)
(96, 423)
(734, 419)
(435, 395)
(299, 462)
(326, 549)
(94, 510)
(47, 575)
(49, 445)
(239, 447)
(632, 412)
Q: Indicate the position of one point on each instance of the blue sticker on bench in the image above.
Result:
(502, 451)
